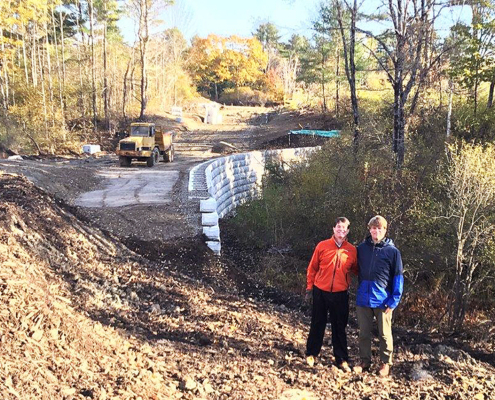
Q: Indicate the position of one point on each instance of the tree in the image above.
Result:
(345, 14)
(145, 13)
(470, 186)
(473, 62)
(290, 63)
(231, 61)
(205, 63)
(268, 36)
(401, 54)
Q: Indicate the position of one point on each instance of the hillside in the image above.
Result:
(84, 317)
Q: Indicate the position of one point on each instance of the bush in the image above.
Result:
(298, 208)
(244, 96)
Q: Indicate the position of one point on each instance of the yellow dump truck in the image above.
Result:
(146, 142)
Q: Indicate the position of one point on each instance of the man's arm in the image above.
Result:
(313, 267)
(397, 283)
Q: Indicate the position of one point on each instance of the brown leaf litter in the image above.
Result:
(84, 317)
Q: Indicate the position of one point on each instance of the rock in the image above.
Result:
(188, 384)
(208, 388)
(155, 309)
(418, 373)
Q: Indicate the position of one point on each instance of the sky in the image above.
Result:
(242, 17)
(235, 17)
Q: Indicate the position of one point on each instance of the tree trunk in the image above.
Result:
(337, 85)
(489, 103)
(3, 77)
(59, 67)
(143, 42)
(124, 90)
(25, 61)
(49, 74)
(42, 79)
(93, 63)
(63, 57)
(82, 69)
(105, 77)
(34, 64)
(449, 112)
(350, 62)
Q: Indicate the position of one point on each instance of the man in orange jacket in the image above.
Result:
(327, 282)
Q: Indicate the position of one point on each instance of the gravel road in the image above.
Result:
(149, 203)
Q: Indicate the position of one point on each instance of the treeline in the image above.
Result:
(66, 71)
(417, 147)
(67, 75)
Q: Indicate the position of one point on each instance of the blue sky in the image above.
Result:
(234, 17)
(242, 17)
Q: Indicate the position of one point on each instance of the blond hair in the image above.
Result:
(378, 221)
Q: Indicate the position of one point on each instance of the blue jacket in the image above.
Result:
(380, 274)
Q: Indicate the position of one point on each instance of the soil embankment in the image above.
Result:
(87, 313)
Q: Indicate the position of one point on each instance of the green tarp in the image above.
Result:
(315, 133)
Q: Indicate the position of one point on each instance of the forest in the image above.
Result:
(413, 95)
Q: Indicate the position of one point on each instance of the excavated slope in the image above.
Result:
(81, 316)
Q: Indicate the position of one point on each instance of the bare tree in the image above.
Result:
(401, 55)
(93, 62)
(471, 198)
(349, 48)
(145, 12)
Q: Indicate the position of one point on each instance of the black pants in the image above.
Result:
(337, 305)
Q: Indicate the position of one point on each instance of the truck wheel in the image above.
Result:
(169, 154)
(153, 159)
(124, 161)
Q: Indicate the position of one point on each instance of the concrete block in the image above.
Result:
(208, 205)
(209, 219)
(91, 148)
(216, 247)
(212, 232)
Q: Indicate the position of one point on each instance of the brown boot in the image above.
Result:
(384, 370)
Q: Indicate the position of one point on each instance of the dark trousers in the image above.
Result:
(337, 306)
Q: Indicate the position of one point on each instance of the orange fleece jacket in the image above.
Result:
(330, 265)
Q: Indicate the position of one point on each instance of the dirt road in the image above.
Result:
(151, 203)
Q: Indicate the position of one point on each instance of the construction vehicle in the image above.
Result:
(146, 142)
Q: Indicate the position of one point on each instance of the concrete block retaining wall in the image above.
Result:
(235, 179)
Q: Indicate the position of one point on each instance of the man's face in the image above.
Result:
(377, 233)
(340, 231)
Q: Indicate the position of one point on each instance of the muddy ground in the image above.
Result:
(243, 129)
(94, 306)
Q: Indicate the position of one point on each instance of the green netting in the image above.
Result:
(316, 133)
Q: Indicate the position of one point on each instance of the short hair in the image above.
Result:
(343, 220)
(377, 221)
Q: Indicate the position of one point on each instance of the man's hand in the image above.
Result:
(309, 296)
(388, 310)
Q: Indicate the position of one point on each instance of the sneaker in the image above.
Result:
(384, 370)
(361, 367)
(310, 360)
(344, 366)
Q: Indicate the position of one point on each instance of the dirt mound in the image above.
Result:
(277, 126)
(82, 316)
(56, 276)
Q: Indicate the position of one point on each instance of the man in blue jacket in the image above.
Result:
(380, 289)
